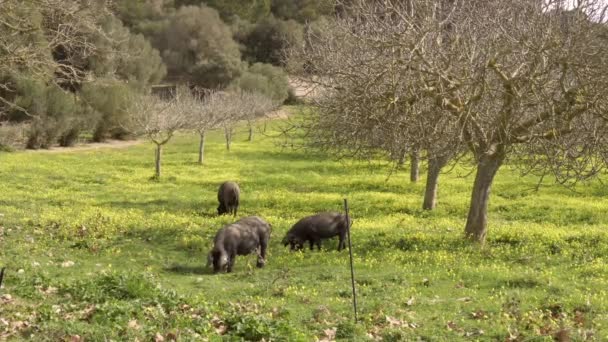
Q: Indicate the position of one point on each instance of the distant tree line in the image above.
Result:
(71, 67)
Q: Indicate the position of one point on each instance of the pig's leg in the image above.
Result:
(262, 254)
(231, 260)
(311, 242)
(342, 243)
(318, 243)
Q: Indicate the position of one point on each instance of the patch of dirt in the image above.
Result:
(280, 113)
(89, 146)
(304, 90)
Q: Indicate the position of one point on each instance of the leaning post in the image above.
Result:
(350, 252)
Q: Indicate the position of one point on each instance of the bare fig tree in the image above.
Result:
(511, 80)
(366, 101)
(205, 110)
(257, 105)
(158, 120)
(234, 111)
(243, 105)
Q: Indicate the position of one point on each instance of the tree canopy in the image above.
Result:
(508, 80)
(205, 54)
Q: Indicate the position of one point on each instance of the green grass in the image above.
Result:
(139, 249)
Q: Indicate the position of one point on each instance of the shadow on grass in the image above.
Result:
(208, 214)
(189, 269)
(205, 209)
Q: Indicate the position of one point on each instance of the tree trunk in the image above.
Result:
(250, 132)
(401, 160)
(201, 148)
(159, 149)
(432, 182)
(415, 167)
(228, 136)
(476, 227)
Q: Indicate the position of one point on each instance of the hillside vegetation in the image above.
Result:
(95, 250)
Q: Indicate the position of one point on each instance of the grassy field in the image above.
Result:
(97, 251)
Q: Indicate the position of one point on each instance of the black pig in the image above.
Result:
(228, 196)
(316, 228)
(243, 237)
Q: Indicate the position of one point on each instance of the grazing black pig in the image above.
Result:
(316, 228)
(228, 196)
(243, 237)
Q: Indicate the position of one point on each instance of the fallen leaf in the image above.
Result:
(172, 336)
(410, 301)
(464, 299)
(394, 322)
(76, 338)
(479, 314)
(453, 327)
(158, 338)
(563, 335)
(68, 263)
(6, 298)
(330, 335)
(133, 324)
(579, 318)
(221, 329)
(48, 291)
(19, 325)
(88, 312)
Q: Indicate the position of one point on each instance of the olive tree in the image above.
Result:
(508, 80)
(54, 54)
(46, 39)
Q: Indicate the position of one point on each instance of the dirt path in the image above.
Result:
(304, 90)
(280, 113)
(89, 146)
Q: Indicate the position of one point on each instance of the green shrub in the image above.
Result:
(292, 99)
(265, 79)
(302, 10)
(51, 108)
(110, 101)
(250, 10)
(205, 53)
(12, 136)
(266, 42)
